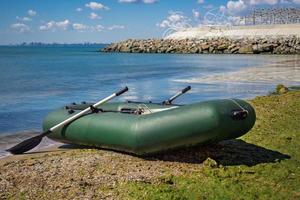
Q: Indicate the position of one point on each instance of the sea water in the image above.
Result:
(37, 79)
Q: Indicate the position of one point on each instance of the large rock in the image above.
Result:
(235, 49)
(281, 89)
(211, 49)
(205, 47)
(222, 47)
(265, 47)
(194, 50)
(246, 49)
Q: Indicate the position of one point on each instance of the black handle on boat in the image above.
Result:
(169, 101)
(239, 114)
(30, 143)
(122, 91)
(186, 89)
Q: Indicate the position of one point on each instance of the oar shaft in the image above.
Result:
(81, 113)
(169, 101)
(175, 96)
(87, 110)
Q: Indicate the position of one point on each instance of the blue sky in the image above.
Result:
(70, 21)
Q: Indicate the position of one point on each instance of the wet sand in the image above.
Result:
(9, 140)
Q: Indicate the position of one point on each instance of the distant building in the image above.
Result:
(273, 16)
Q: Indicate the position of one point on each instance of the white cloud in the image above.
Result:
(128, 1)
(113, 27)
(78, 9)
(175, 20)
(25, 19)
(222, 9)
(63, 24)
(200, 1)
(236, 6)
(149, 1)
(163, 24)
(236, 20)
(80, 27)
(96, 6)
(48, 26)
(257, 2)
(296, 1)
(20, 27)
(53, 25)
(31, 13)
(97, 28)
(175, 17)
(196, 14)
(67, 25)
(139, 1)
(94, 16)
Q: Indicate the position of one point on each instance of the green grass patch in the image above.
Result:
(263, 164)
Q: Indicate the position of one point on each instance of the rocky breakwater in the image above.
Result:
(283, 45)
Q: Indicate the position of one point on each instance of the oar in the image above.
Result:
(30, 143)
(169, 101)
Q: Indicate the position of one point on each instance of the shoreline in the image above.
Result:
(9, 139)
(282, 64)
(281, 71)
(36, 153)
(266, 156)
(263, 74)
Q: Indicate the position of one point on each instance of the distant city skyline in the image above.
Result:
(105, 21)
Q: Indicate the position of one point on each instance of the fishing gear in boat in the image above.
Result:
(30, 143)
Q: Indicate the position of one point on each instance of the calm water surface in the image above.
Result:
(35, 80)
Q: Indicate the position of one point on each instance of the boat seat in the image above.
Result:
(141, 110)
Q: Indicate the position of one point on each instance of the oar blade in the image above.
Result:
(30, 143)
(26, 145)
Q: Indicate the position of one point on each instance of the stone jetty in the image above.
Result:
(219, 45)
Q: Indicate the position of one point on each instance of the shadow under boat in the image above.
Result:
(226, 153)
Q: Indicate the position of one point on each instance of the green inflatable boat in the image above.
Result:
(143, 128)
